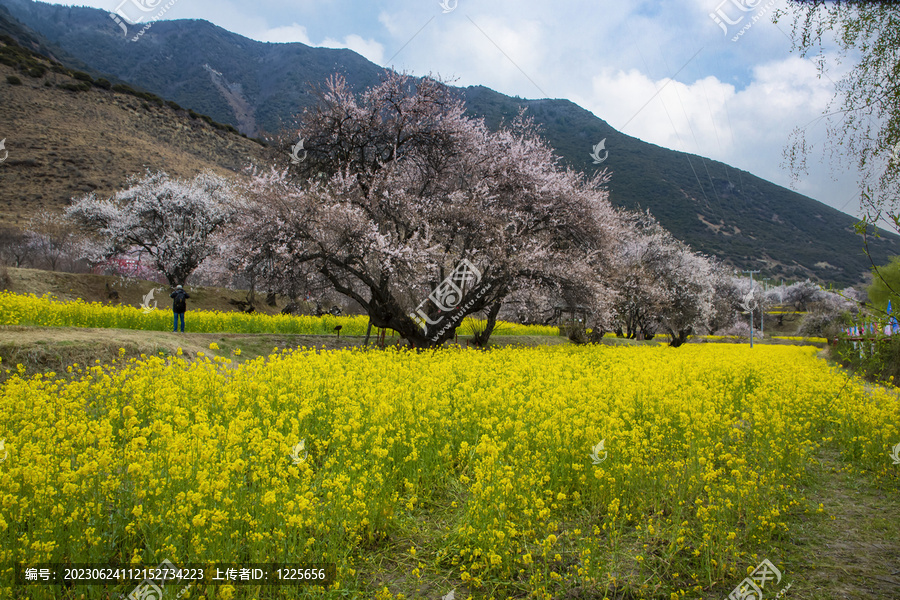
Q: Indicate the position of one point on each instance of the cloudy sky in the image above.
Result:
(664, 72)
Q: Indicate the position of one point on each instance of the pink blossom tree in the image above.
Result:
(394, 189)
(639, 263)
(661, 284)
(688, 285)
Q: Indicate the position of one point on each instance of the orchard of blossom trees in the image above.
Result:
(395, 189)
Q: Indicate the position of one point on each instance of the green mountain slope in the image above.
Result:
(745, 220)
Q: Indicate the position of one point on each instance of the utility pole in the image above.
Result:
(750, 306)
(762, 310)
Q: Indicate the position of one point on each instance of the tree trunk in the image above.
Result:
(386, 313)
(482, 337)
(418, 338)
(680, 337)
(368, 333)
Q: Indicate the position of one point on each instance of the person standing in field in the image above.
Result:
(179, 306)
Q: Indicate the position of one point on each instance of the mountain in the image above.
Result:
(257, 87)
(743, 219)
(66, 134)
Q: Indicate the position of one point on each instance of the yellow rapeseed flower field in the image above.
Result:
(28, 309)
(636, 471)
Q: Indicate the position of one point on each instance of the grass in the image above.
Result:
(54, 349)
(133, 137)
(849, 550)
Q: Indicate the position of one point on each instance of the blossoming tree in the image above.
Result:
(661, 283)
(395, 189)
(173, 221)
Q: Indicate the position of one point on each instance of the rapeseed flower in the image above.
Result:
(310, 456)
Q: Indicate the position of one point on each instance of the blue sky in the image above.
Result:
(664, 72)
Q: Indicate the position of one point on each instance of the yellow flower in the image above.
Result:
(196, 456)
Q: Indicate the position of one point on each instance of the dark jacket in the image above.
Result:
(179, 295)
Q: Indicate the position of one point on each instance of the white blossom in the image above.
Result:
(171, 220)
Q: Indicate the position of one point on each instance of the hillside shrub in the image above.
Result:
(75, 87)
(82, 76)
(13, 80)
(103, 83)
(124, 89)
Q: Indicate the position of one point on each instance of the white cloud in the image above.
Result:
(391, 23)
(747, 128)
(473, 48)
(285, 34)
(369, 48)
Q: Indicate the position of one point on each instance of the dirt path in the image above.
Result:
(852, 551)
(42, 349)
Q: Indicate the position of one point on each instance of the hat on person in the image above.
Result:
(177, 287)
